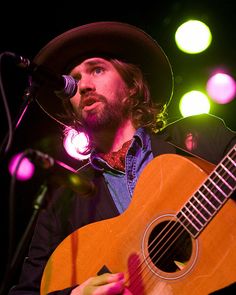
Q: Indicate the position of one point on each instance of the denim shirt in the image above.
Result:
(121, 184)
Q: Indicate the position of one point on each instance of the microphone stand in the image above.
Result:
(27, 99)
(14, 260)
(21, 249)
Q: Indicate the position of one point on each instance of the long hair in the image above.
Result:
(145, 112)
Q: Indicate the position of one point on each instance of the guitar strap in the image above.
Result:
(161, 145)
(187, 145)
(185, 153)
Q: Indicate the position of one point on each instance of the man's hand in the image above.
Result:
(106, 284)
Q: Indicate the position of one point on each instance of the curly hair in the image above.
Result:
(145, 111)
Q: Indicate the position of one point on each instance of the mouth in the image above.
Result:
(91, 107)
(89, 101)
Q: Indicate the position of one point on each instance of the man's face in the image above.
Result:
(101, 92)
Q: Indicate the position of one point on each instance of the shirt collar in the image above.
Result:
(141, 137)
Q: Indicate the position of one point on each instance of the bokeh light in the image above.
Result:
(76, 144)
(25, 169)
(193, 37)
(193, 103)
(221, 88)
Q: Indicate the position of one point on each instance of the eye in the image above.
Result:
(98, 70)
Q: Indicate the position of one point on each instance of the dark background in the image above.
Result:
(27, 27)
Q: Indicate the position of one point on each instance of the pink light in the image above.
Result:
(25, 170)
(76, 144)
(221, 88)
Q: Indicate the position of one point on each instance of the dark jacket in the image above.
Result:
(203, 136)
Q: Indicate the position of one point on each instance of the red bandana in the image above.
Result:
(117, 159)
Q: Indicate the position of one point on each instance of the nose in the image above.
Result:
(85, 84)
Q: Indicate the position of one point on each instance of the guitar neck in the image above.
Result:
(210, 197)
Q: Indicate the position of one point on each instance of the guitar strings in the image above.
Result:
(180, 233)
(148, 259)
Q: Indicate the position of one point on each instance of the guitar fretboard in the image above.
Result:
(210, 197)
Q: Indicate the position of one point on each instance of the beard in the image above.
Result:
(108, 116)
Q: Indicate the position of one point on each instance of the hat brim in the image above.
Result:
(111, 39)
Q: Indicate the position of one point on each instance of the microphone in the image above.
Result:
(64, 86)
(60, 173)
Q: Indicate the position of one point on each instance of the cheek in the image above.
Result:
(104, 87)
(110, 85)
(116, 91)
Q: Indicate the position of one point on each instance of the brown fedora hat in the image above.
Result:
(111, 39)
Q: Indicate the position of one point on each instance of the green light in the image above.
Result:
(193, 37)
(193, 103)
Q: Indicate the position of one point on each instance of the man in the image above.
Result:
(125, 84)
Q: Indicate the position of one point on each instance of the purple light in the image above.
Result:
(76, 144)
(25, 170)
(221, 88)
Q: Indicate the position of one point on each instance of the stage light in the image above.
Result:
(25, 169)
(193, 103)
(193, 37)
(221, 88)
(76, 144)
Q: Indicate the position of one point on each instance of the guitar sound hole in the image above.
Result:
(169, 246)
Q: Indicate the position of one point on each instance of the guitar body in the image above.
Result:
(123, 244)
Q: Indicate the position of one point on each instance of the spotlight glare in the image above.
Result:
(193, 37)
(193, 103)
(25, 170)
(221, 88)
(76, 144)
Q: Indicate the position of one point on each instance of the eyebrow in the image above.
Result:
(91, 63)
(94, 62)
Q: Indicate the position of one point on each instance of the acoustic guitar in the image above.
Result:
(178, 236)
